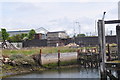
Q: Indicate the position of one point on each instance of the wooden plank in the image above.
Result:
(111, 76)
(115, 61)
(112, 21)
(112, 68)
(100, 40)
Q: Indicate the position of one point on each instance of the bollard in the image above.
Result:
(40, 59)
(58, 57)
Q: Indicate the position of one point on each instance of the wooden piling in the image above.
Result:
(102, 46)
(118, 45)
(78, 56)
(58, 58)
(40, 58)
(109, 58)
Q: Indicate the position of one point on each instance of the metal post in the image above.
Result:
(118, 43)
(118, 40)
(58, 57)
(102, 46)
(103, 41)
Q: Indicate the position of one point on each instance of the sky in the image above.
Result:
(73, 16)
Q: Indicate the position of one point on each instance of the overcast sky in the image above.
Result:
(57, 15)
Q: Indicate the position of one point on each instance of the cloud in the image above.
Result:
(59, 0)
(56, 16)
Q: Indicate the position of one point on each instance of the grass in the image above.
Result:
(30, 51)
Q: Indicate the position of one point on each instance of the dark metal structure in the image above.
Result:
(105, 71)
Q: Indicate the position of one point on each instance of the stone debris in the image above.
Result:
(8, 45)
(72, 45)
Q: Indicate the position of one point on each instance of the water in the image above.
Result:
(63, 73)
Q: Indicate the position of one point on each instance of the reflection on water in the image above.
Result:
(64, 73)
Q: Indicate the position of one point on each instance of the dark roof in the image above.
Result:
(18, 31)
(57, 32)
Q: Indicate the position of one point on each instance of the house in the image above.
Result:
(40, 36)
(41, 33)
(56, 38)
(57, 34)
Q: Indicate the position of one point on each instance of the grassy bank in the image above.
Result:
(23, 62)
(30, 51)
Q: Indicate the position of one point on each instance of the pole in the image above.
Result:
(79, 29)
(58, 58)
(95, 27)
(118, 40)
(102, 46)
(40, 59)
(78, 56)
(118, 43)
(109, 58)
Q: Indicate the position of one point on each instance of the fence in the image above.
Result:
(82, 41)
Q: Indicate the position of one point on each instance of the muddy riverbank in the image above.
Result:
(8, 70)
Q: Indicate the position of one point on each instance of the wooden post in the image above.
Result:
(109, 58)
(102, 48)
(118, 45)
(99, 40)
(118, 40)
(40, 59)
(78, 55)
(58, 57)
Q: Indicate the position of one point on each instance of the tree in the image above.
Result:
(0, 35)
(31, 34)
(17, 37)
(5, 35)
(81, 35)
(23, 35)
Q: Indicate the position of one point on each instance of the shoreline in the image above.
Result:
(27, 70)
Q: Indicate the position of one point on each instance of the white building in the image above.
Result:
(39, 30)
(11, 33)
(57, 34)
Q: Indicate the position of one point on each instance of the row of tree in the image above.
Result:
(18, 37)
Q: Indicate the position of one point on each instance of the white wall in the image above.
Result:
(19, 44)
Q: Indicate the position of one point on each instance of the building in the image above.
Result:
(40, 36)
(11, 33)
(56, 38)
(57, 34)
(40, 31)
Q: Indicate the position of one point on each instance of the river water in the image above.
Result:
(63, 73)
